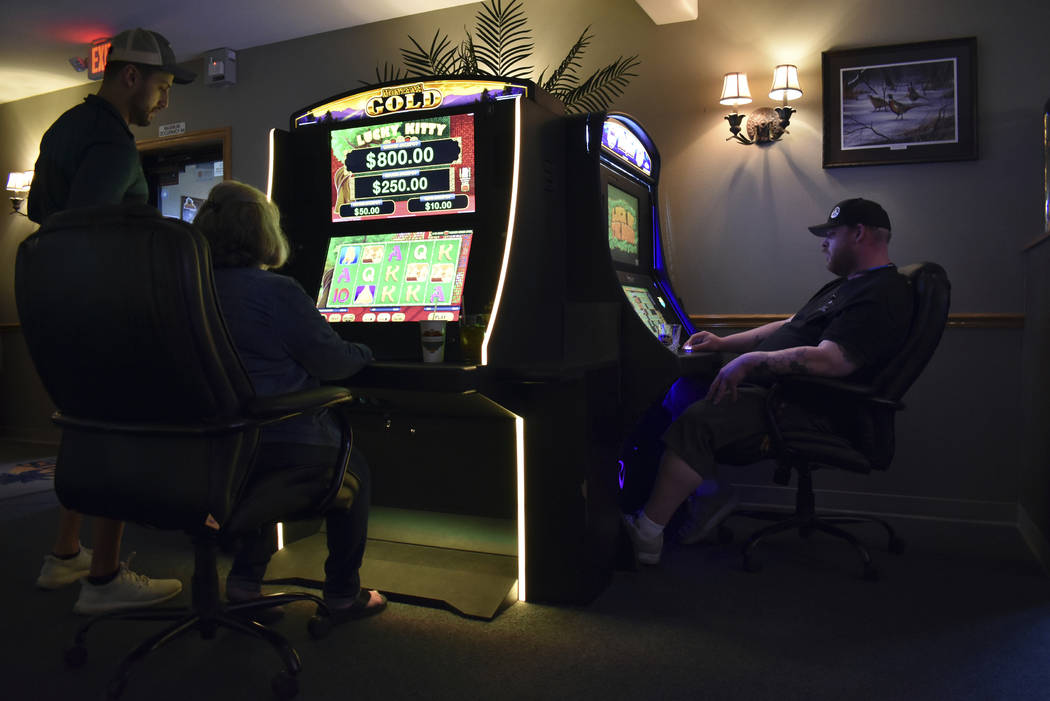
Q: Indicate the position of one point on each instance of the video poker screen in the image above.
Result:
(623, 225)
(643, 305)
(395, 277)
(404, 168)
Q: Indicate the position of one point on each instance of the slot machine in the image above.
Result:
(445, 199)
(615, 175)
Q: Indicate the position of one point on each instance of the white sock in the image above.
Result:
(646, 526)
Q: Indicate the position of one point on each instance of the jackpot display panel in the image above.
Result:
(403, 168)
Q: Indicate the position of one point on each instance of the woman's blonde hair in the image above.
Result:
(243, 227)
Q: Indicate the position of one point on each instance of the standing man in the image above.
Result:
(88, 158)
(850, 328)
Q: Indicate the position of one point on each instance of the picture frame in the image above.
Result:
(905, 103)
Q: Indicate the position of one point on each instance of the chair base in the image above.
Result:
(806, 524)
(232, 617)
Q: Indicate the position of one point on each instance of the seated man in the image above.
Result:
(849, 328)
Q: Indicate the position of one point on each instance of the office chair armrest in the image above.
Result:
(151, 428)
(827, 391)
(268, 410)
(835, 389)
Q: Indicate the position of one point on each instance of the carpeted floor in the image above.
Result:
(963, 614)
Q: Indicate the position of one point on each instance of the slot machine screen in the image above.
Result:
(623, 225)
(395, 277)
(629, 220)
(403, 168)
(643, 305)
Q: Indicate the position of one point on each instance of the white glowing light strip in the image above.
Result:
(269, 168)
(519, 430)
(510, 235)
(269, 196)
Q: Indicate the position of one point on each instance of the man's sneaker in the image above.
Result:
(704, 512)
(128, 590)
(57, 573)
(647, 550)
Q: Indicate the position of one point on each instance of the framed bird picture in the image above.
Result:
(906, 103)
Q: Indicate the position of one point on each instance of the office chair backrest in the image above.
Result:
(874, 433)
(118, 308)
(932, 292)
(119, 313)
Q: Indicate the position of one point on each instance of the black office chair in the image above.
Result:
(869, 445)
(160, 425)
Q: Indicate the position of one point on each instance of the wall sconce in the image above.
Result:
(18, 183)
(765, 124)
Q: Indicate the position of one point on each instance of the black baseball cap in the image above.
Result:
(851, 212)
(148, 48)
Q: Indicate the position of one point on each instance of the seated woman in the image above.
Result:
(286, 345)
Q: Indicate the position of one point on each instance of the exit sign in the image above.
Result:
(97, 58)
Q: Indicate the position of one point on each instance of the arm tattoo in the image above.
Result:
(791, 362)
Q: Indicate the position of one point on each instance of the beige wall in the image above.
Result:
(736, 214)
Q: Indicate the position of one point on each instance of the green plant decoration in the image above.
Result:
(501, 45)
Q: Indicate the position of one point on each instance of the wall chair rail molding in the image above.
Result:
(962, 320)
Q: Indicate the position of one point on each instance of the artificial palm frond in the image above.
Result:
(468, 56)
(389, 74)
(564, 77)
(500, 44)
(439, 59)
(602, 87)
(503, 39)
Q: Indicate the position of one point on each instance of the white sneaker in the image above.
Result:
(57, 573)
(647, 550)
(704, 512)
(128, 590)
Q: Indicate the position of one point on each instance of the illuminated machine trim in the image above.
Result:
(619, 141)
(406, 98)
(269, 167)
(519, 431)
(510, 234)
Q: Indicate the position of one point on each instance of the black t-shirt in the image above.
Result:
(87, 157)
(868, 316)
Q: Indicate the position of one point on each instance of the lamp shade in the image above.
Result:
(734, 89)
(785, 83)
(19, 181)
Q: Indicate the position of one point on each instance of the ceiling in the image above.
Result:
(38, 38)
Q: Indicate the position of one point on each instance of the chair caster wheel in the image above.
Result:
(871, 574)
(897, 546)
(725, 535)
(75, 656)
(285, 686)
(319, 626)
